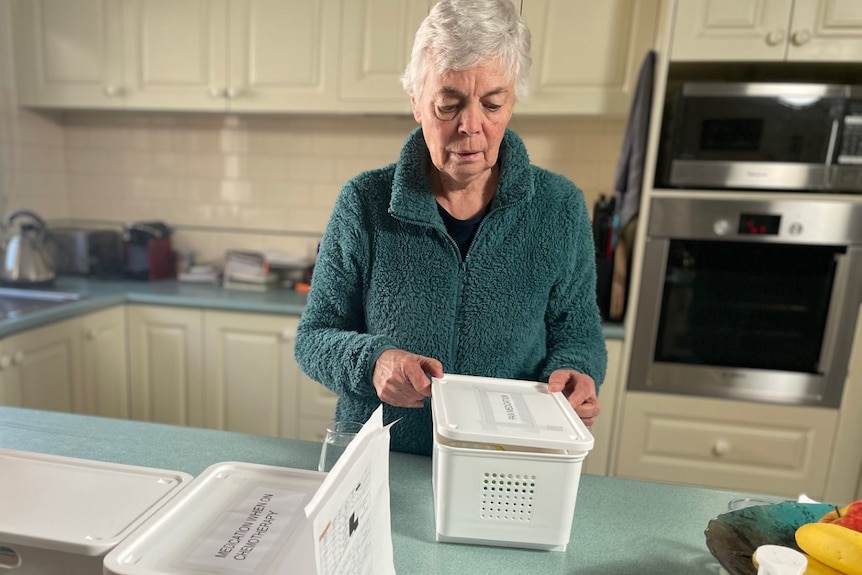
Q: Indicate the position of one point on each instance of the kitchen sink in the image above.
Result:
(15, 302)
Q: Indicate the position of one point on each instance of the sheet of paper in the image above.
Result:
(350, 511)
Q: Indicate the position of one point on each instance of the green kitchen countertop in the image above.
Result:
(101, 294)
(620, 526)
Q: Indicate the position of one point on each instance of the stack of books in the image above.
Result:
(249, 270)
(259, 270)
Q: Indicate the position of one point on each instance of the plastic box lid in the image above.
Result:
(504, 412)
(233, 518)
(75, 505)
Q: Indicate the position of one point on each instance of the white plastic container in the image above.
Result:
(506, 462)
(239, 518)
(61, 515)
(233, 518)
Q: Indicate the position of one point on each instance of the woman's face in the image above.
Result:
(463, 116)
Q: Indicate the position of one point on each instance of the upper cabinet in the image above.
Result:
(586, 55)
(283, 55)
(199, 55)
(767, 30)
(377, 38)
(68, 54)
(342, 56)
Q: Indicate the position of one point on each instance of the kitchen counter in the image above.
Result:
(621, 526)
(101, 294)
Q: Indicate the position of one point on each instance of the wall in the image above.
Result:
(226, 181)
(250, 181)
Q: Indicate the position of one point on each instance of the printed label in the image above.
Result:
(504, 408)
(243, 536)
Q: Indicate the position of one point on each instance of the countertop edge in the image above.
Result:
(100, 294)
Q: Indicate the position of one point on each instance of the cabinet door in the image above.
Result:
(586, 55)
(250, 373)
(105, 364)
(45, 370)
(68, 53)
(283, 55)
(8, 387)
(175, 54)
(741, 30)
(166, 364)
(599, 457)
(725, 444)
(316, 409)
(826, 30)
(377, 38)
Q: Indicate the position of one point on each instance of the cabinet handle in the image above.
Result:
(720, 448)
(5, 362)
(90, 334)
(233, 93)
(801, 37)
(775, 37)
(218, 92)
(18, 358)
(287, 335)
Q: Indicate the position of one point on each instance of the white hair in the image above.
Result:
(459, 34)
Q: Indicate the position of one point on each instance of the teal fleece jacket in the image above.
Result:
(388, 276)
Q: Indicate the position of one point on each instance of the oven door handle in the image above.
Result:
(835, 313)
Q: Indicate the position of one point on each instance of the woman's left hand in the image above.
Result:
(580, 389)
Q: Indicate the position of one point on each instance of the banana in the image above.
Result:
(837, 547)
(815, 567)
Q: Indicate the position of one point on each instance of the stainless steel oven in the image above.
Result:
(748, 299)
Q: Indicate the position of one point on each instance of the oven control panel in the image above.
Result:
(821, 222)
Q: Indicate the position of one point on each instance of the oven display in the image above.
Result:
(758, 225)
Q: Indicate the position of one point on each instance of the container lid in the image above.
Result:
(234, 518)
(76, 505)
(506, 412)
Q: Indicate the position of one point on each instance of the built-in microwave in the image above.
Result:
(762, 136)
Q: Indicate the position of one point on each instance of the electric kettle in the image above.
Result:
(28, 254)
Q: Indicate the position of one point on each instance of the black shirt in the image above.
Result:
(462, 231)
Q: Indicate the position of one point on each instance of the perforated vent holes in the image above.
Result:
(507, 496)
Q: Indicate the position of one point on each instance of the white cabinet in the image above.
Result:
(41, 368)
(253, 383)
(67, 53)
(283, 55)
(586, 55)
(222, 370)
(316, 409)
(767, 30)
(104, 363)
(166, 364)
(598, 460)
(377, 38)
(250, 373)
(77, 365)
(156, 54)
(173, 54)
(737, 445)
(301, 55)
(201, 55)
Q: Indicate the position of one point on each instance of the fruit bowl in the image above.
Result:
(732, 537)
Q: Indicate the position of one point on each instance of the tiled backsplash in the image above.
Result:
(234, 181)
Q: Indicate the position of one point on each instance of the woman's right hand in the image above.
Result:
(400, 377)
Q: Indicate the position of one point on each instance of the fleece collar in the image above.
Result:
(413, 200)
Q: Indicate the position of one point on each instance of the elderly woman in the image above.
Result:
(461, 256)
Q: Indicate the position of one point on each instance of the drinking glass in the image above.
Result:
(338, 435)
